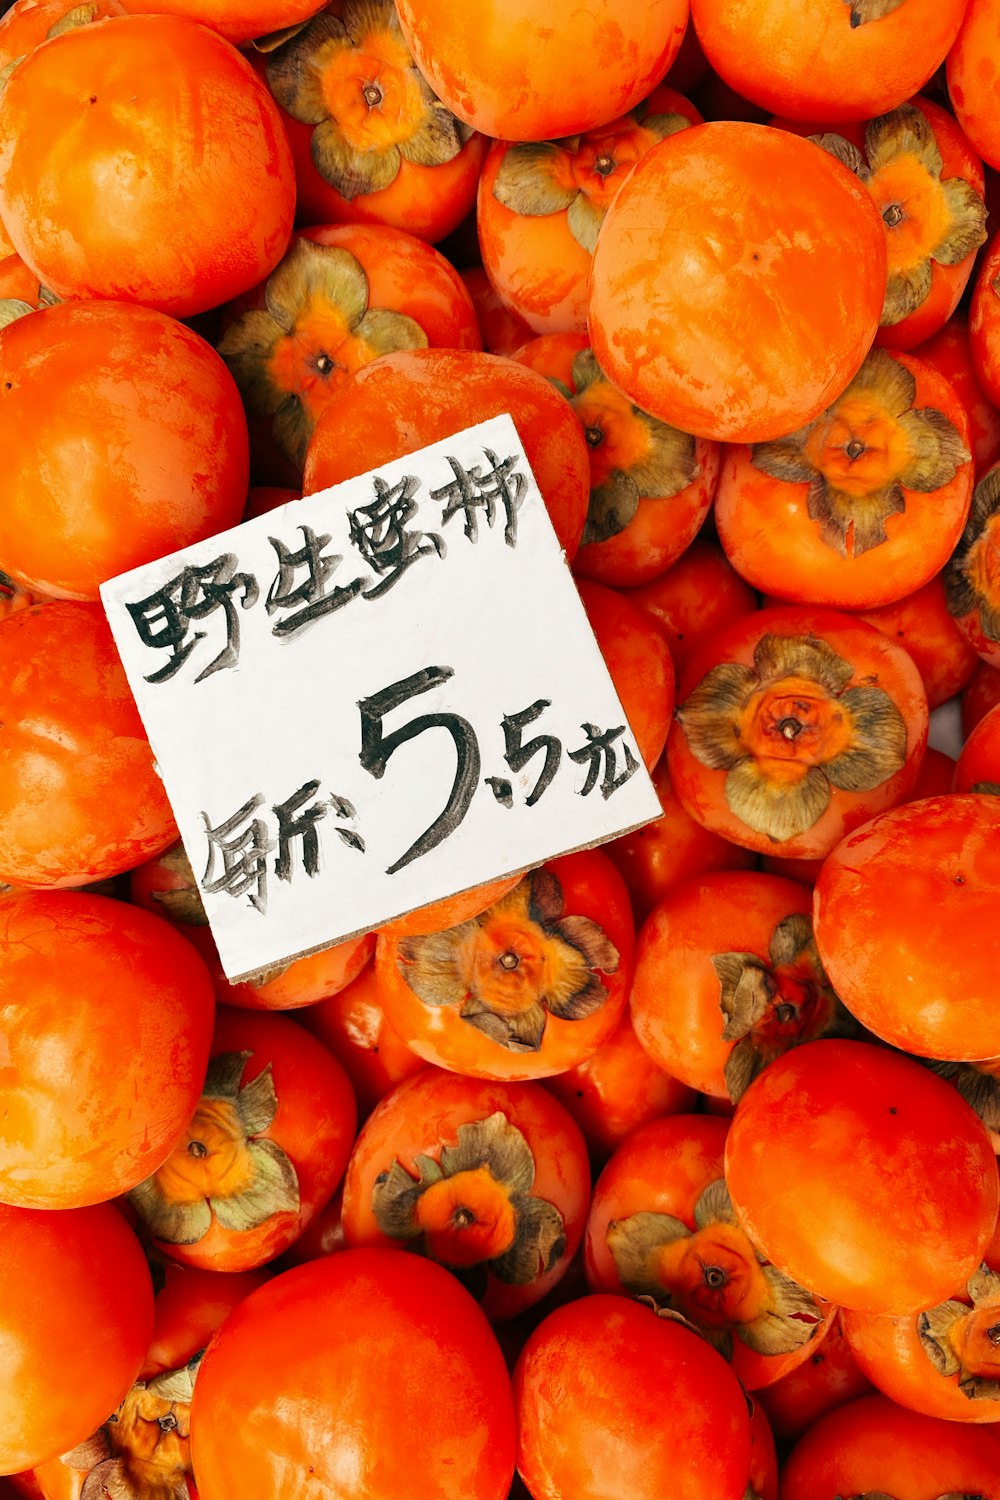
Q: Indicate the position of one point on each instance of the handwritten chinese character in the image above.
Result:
(472, 491)
(162, 619)
(313, 597)
(295, 821)
(380, 533)
(243, 853)
(600, 749)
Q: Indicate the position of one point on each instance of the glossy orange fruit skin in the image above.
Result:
(949, 352)
(737, 281)
(403, 402)
(979, 760)
(639, 662)
(904, 920)
(80, 799)
(372, 1373)
(981, 694)
(984, 322)
(922, 623)
(137, 418)
(697, 594)
(521, 74)
(71, 1284)
(973, 72)
(197, 202)
(592, 1386)
(873, 1444)
(106, 1015)
(827, 1379)
(423, 1114)
(752, 509)
(892, 1355)
(806, 58)
(908, 1224)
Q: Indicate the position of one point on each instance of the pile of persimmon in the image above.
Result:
(661, 1168)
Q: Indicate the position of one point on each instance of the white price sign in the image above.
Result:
(375, 697)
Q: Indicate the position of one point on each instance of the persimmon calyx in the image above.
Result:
(472, 1209)
(860, 455)
(927, 217)
(225, 1169)
(143, 1451)
(979, 1087)
(864, 11)
(510, 968)
(789, 729)
(965, 1341)
(579, 175)
(972, 573)
(354, 80)
(314, 330)
(632, 455)
(713, 1275)
(770, 1007)
(183, 902)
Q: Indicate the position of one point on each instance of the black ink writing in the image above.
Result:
(163, 618)
(382, 536)
(472, 491)
(314, 596)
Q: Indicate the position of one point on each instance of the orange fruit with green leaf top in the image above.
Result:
(835, 59)
(196, 203)
(904, 925)
(794, 726)
(661, 1226)
(861, 1175)
(927, 183)
(371, 141)
(530, 987)
(340, 297)
(76, 1315)
(261, 1153)
(521, 74)
(827, 1379)
(972, 573)
(105, 1019)
(861, 506)
(489, 1179)
(727, 978)
(143, 1449)
(737, 281)
(540, 205)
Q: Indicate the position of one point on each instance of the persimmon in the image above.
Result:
(904, 925)
(503, 331)
(971, 69)
(530, 987)
(638, 660)
(489, 1179)
(978, 765)
(404, 401)
(654, 858)
(972, 573)
(80, 799)
(340, 296)
(874, 1447)
(106, 1016)
(450, 910)
(262, 1151)
(196, 204)
(237, 20)
(371, 142)
(727, 978)
(352, 1025)
(524, 75)
(827, 1379)
(980, 695)
(72, 1283)
(26, 24)
(984, 322)
(864, 504)
(552, 355)
(697, 594)
(825, 58)
(263, 498)
(795, 725)
(737, 282)
(949, 352)
(143, 1447)
(909, 1222)
(661, 1226)
(591, 1387)
(924, 625)
(616, 1089)
(148, 436)
(372, 1373)
(763, 1480)
(540, 205)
